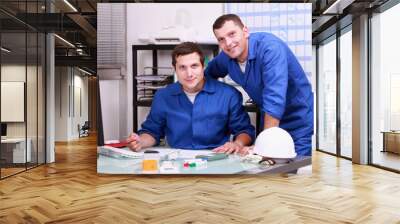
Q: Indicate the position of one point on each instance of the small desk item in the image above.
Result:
(169, 167)
(213, 156)
(150, 161)
(116, 143)
(198, 163)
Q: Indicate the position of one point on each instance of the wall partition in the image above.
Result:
(334, 108)
(368, 52)
(385, 89)
(22, 77)
(327, 95)
(345, 83)
(13, 145)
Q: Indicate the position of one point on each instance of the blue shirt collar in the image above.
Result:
(209, 87)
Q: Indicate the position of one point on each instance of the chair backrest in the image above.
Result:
(86, 125)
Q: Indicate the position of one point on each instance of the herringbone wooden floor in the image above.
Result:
(70, 191)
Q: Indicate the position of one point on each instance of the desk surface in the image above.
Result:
(231, 165)
(13, 140)
(391, 132)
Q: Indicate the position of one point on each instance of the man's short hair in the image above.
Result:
(227, 17)
(186, 48)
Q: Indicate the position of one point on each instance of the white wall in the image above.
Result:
(149, 18)
(110, 104)
(61, 103)
(67, 81)
(13, 73)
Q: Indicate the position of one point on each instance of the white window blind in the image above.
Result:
(111, 32)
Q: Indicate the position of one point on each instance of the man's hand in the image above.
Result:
(134, 142)
(229, 147)
(270, 121)
(246, 150)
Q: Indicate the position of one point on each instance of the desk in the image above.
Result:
(13, 150)
(231, 165)
(391, 141)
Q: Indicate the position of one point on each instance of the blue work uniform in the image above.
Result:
(276, 82)
(216, 113)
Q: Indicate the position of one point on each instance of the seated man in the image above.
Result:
(195, 113)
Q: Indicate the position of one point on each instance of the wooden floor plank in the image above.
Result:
(70, 191)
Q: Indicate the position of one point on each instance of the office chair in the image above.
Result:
(84, 130)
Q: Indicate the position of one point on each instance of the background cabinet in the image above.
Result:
(391, 141)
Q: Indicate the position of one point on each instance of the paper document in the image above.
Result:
(164, 152)
(191, 154)
(117, 152)
(180, 153)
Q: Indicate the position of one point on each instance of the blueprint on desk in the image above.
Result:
(163, 152)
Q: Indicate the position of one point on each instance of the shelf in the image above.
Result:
(152, 87)
(150, 78)
(144, 103)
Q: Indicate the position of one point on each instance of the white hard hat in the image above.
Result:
(275, 143)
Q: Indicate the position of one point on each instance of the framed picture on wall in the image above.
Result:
(12, 101)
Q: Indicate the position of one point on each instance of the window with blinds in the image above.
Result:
(111, 33)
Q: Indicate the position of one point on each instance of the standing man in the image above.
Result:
(195, 112)
(269, 72)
